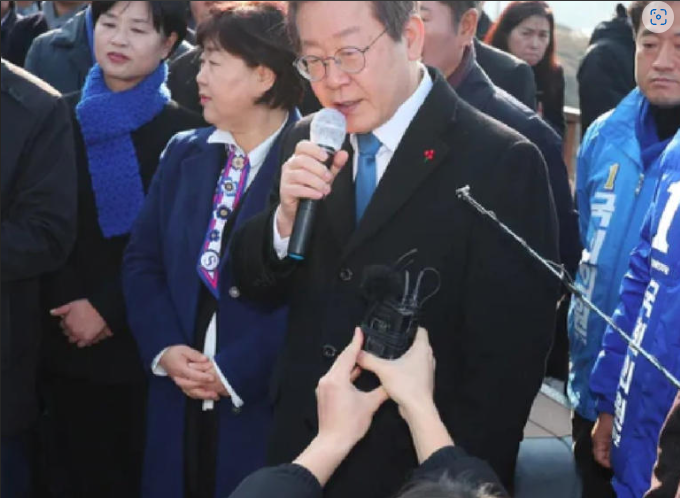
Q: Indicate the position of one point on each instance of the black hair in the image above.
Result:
(459, 8)
(635, 11)
(256, 32)
(393, 15)
(167, 17)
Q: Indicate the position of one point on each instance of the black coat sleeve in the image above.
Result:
(522, 85)
(109, 302)
(283, 481)
(553, 103)
(570, 241)
(258, 271)
(23, 34)
(182, 81)
(39, 228)
(509, 316)
(454, 463)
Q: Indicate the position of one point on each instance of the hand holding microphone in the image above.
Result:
(308, 176)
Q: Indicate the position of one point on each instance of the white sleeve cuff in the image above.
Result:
(235, 399)
(280, 244)
(156, 369)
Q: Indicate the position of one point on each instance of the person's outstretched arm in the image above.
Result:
(345, 414)
(409, 381)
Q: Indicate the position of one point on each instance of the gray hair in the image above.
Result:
(392, 15)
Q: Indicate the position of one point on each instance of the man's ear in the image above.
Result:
(468, 25)
(414, 35)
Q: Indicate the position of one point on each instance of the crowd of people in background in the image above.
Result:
(158, 338)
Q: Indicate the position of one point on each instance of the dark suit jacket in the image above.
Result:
(94, 266)
(606, 73)
(7, 28)
(477, 90)
(162, 289)
(507, 72)
(490, 323)
(182, 80)
(550, 98)
(38, 184)
(19, 40)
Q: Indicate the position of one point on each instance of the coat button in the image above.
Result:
(345, 274)
(329, 351)
(234, 292)
(235, 409)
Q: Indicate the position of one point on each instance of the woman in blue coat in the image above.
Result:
(208, 351)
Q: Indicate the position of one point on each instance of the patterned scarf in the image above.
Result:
(106, 119)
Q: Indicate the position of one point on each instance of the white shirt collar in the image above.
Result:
(392, 131)
(258, 154)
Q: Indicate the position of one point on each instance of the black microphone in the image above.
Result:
(328, 130)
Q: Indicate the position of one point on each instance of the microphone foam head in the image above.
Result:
(329, 128)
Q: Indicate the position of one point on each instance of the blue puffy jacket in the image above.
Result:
(613, 193)
(625, 383)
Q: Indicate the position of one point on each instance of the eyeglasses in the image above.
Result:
(348, 59)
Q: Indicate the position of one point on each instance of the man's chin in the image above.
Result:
(664, 101)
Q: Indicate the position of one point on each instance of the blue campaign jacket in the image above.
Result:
(626, 384)
(613, 193)
(162, 286)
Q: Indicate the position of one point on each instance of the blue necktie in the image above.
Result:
(366, 175)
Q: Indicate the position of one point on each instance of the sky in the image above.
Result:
(583, 16)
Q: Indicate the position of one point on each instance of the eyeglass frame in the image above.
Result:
(334, 58)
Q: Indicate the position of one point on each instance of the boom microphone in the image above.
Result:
(328, 131)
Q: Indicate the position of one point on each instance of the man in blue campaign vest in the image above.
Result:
(625, 383)
(618, 170)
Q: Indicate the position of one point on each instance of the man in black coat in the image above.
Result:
(9, 19)
(345, 414)
(507, 72)
(38, 184)
(490, 322)
(607, 71)
(19, 40)
(449, 32)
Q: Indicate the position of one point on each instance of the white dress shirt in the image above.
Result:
(389, 133)
(256, 157)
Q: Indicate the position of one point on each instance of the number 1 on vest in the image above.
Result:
(660, 241)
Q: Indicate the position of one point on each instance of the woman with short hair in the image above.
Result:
(210, 350)
(122, 119)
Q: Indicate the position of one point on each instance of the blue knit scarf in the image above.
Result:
(106, 119)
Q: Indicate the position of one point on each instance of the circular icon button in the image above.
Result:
(210, 260)
(658, 17)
